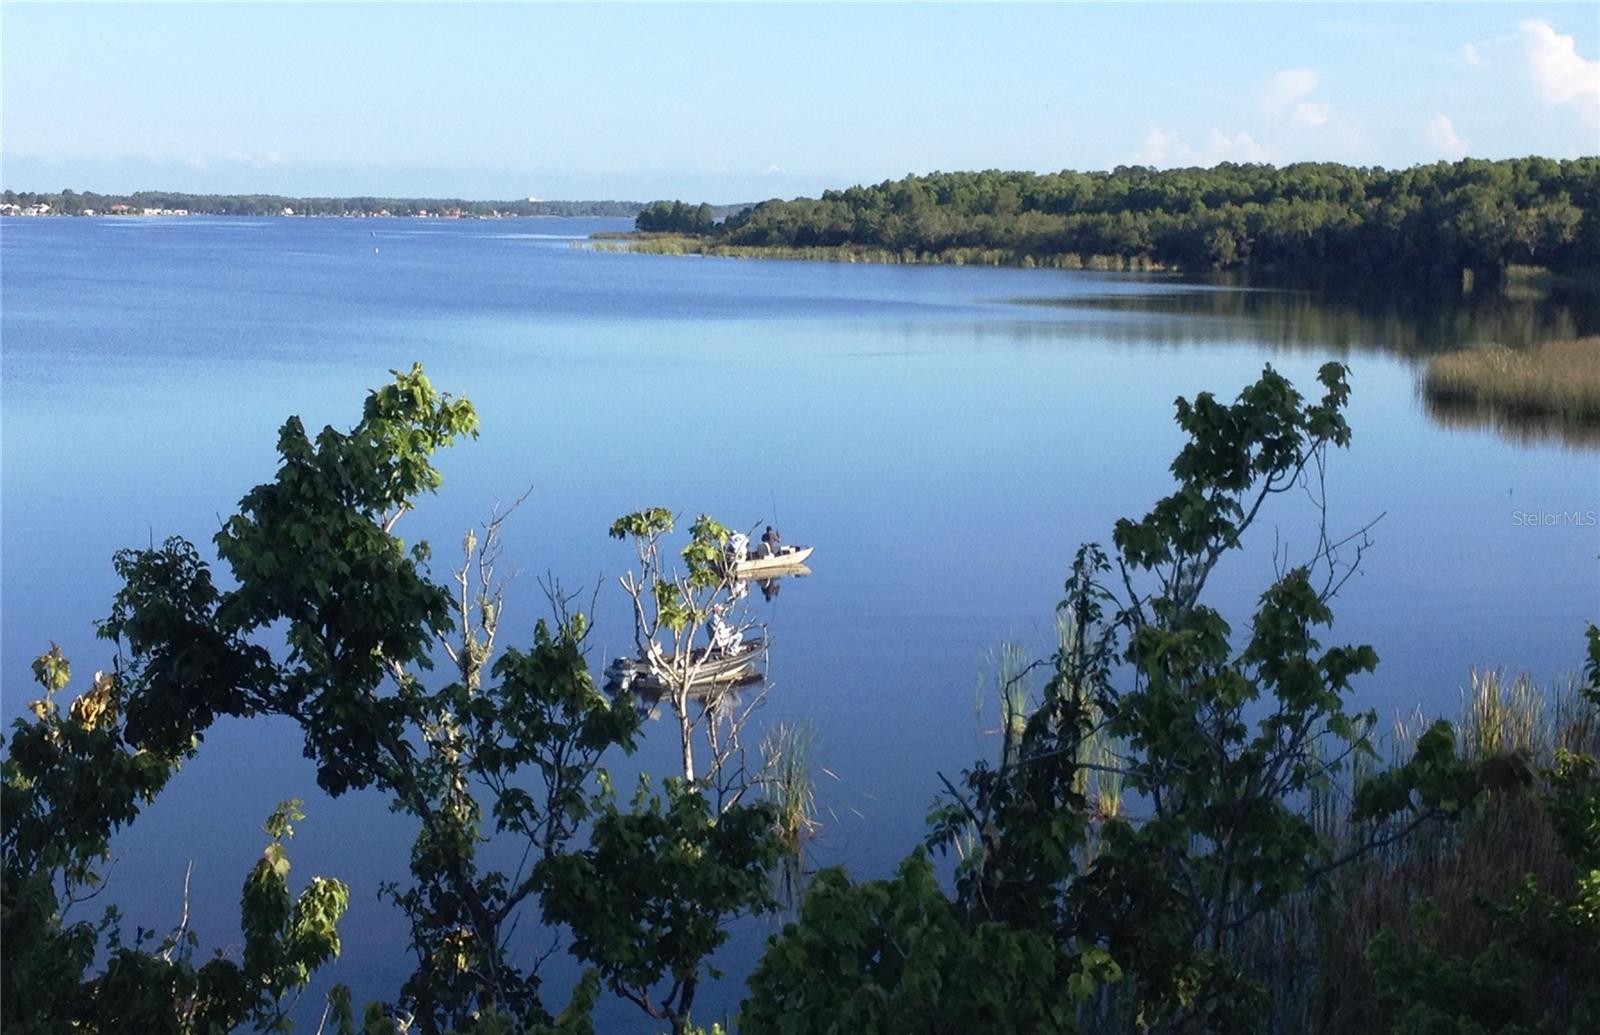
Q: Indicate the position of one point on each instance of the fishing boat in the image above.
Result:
(708, 669)
(757, 564)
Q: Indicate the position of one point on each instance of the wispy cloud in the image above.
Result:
(1310, 113)
(1564, 77)
(1286, 90)
(247, 159)
(1289, 101)
(1165, 149)
(1441, 135)
(1470, 55)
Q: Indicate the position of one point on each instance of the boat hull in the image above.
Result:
(716, 670)
(778, 562)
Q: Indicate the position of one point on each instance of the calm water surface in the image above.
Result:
(945, 437)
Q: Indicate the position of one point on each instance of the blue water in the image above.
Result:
(941, 437)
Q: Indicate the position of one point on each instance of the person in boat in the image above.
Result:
(771, 542)
(724, 637)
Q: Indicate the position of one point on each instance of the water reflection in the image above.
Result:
(1417, 324)
(1522, 428)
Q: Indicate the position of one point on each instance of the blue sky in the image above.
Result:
(735, 102)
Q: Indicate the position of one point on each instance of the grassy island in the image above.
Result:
(1558, 379)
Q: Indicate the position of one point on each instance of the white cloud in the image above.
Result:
(1289, 100)
(1240, 147)
(1441, 134)
(1164, 149)
(773, 169)
(1311, 113)
(1288, 88)
(1563, 76)
(265, 159)
(1157, 147)
(1470, 55)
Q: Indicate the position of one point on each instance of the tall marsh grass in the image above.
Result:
(1309, 954)
(787, 784)
(1556, 378)
(680, 245)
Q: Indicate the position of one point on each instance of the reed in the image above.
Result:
(1556, 378)
(682, 245)
(787, 784)
(1309, 954)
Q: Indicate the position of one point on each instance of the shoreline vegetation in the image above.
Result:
(1557, 380)
(684, 244)
(1465, 221)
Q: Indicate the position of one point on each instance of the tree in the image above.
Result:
(1218, 743)
(509, 747)
(670, 607)
(70, 781)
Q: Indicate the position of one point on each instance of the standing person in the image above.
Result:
(771, 541)
(724, 637)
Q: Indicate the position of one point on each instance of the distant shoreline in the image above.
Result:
(182, 203)
(182, 214)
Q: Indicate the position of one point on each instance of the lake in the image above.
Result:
(945, 437)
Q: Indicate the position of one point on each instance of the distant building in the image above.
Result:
(287, 211)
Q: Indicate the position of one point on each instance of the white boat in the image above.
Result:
(757, 564)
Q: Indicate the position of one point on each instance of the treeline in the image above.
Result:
(70, 202)
(1308, 218)
(675, 217)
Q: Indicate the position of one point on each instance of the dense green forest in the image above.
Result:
(1306, 219)
(1186, 829)
(676, 217)
(70, 202)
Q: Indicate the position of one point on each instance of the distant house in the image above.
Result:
(119, 209)
(287, 211)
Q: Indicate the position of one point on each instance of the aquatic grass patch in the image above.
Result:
(1437, 887)
(1556, 378)
(669, 244)
(788, 786)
